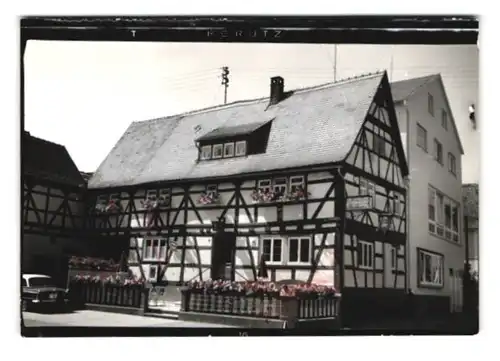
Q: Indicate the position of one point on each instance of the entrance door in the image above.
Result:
(223, 252)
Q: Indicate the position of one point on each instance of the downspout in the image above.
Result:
(408, 200)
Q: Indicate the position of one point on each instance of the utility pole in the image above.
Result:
(467, 273)
(225, 81)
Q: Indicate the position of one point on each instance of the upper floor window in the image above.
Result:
(430, 104)
(444, 119)
(161, 196)
(438, 151)
(365, 257)
(296, 183)
(379, 145)
(280, 185)
(452, 164)
(217, 151)
(421, 137)
(394, 257)
(443, 216)
(397, 204)
(228, 150)
(241, 148)
(206, 152)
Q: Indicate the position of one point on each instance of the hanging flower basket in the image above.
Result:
(298, 194)
(209, 198)
(153, 204)
(113, 206)
(261, 196)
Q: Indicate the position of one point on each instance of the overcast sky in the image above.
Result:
(85, 94)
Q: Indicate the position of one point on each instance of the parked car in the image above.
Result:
(40, 292)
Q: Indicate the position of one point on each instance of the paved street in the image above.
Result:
(88, 318)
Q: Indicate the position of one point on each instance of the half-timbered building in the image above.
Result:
(52, 207)
(301, 178)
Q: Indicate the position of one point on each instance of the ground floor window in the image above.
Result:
(286, 250)
(430, 268)
(365, 254)
(154, 249)
(153, 273)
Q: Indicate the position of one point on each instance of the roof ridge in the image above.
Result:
(42, 140)
(255, 100)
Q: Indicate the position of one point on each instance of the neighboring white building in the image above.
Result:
(433, 150)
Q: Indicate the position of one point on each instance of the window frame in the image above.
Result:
(151, 240)
(438, 152)
(438, 227)
(227, 146)
(444, 119)
(421, 128)
(203, 153)
(452, 163)
(379, 145)
(265, 187)
(299, 239)
(394, 258)
(155, 267)
(292, 183)
(430, 104)
(217, 146)
(236, 146)
(271, 249)
(281, 185)
(421, 269)
(362, 246)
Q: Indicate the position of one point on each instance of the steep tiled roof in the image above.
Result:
(312, 126)
(470, 197)
(49, 161)
(401, 90)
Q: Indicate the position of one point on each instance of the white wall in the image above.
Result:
(424, 170)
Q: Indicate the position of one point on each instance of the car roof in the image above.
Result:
(32, 275)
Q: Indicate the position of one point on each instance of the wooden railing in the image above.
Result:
(107, 294)
(273, 306)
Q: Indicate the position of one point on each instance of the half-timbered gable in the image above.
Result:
(251, 181)
(53, 202)
(375, 175)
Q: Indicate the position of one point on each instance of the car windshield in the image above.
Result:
(41, 282)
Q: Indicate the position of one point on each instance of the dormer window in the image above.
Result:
(241, 148)
(228, 150)
(217, 151)
(234, 141)
(206, 152)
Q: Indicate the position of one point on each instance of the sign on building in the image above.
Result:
(359, 203)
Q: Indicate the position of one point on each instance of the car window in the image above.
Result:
(41, 282)
(23, 283)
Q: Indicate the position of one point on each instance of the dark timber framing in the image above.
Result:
(184, 218)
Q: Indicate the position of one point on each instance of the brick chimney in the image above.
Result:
(277, 90)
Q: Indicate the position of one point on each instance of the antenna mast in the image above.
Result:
(225, 81)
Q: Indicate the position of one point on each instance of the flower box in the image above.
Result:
(261, 299)
(111, 291)
(113, 206)
(207, 198)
